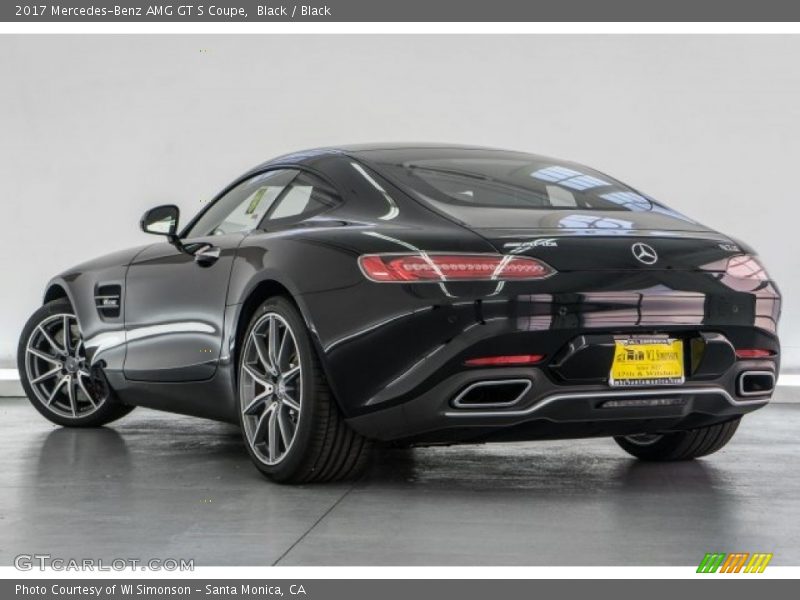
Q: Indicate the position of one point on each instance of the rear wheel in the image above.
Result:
(290, 422)
(681, 445)
(55, 372)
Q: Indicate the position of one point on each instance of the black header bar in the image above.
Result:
(133, 11)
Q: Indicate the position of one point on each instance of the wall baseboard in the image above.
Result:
(9, 383)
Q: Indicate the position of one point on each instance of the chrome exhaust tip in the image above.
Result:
(494, 393)
(756, 383)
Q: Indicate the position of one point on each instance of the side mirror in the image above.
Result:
(161, 220)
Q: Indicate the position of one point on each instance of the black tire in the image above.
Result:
(324, 447)
(109, 408)
(682, 445)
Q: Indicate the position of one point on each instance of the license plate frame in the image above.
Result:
(647, 362)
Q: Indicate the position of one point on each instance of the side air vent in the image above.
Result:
(108, 300)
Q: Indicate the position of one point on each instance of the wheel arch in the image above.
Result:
(56, 291)
(258, 292)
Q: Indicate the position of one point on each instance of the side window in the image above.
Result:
(560, 197)
(243, 207)
(305, 196)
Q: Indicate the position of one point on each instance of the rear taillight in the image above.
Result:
(746, 267)
(451, 267)
(750, 353)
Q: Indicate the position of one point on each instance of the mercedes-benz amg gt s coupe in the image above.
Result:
(416, 295)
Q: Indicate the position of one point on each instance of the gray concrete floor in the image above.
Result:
(161, 485)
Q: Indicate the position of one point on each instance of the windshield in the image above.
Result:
(458, 183)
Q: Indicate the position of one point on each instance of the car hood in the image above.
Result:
(120, 258)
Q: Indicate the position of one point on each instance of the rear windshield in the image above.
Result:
(455, 184)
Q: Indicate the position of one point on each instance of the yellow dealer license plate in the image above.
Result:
(652, 361)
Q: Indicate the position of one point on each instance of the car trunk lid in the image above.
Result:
(627, 250)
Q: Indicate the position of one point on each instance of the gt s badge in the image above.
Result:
(537, 243)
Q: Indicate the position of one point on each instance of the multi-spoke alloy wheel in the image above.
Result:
(57, 371)
(271, 388)
(291, 423)
(57, 378)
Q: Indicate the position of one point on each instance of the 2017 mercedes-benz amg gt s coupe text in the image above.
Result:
(416, 294)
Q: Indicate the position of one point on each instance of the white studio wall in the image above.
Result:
(95, 129)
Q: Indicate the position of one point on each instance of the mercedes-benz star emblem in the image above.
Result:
(644, 253)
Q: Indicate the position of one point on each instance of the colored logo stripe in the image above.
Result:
(736, 562)
(711, 562)
(758, 563)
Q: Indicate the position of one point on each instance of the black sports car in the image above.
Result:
(416, 294)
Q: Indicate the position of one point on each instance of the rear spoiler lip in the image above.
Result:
(522, 234)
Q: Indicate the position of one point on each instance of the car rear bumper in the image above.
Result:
(546, 409)
(399, 341)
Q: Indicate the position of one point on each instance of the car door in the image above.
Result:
(175, 298)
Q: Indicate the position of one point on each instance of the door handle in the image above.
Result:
(207, 255)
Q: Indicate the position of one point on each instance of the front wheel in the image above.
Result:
(681, 445)
(56, 375)
(290, 422)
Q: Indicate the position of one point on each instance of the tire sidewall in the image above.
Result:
(654, 450)
(683, 445)
(294, 458)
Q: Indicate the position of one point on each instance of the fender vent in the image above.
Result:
(108, 300)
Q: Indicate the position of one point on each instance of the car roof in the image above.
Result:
(368, 150)
(408, 146)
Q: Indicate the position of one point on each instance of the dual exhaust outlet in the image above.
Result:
(504, 393)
